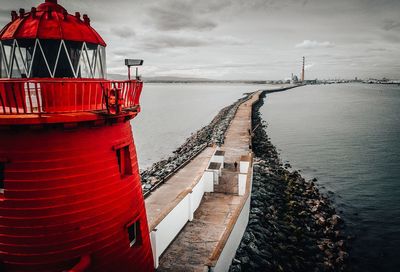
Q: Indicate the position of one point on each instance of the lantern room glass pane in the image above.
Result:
(102, 62)
(3, 71)
(6, 50)
(84, 58)
(20, 60)
(84, 66)
(51, 48)
(39, 65)
(74, 50)
(24, 56)
(51, 58)
(64, 69)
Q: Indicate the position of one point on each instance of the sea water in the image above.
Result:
(348, 137)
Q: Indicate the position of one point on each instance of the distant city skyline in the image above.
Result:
(250, 40)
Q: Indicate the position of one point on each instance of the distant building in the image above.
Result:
(311, 81)
(294, 80)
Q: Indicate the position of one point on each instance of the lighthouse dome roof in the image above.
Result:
(50, 21)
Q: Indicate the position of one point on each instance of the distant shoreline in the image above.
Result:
(190, 80)
(207, 82)
(263, 82)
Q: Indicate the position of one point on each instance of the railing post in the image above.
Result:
(38, 100)
(1, 98)
(28, 87)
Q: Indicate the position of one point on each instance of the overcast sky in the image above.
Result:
(245, 39)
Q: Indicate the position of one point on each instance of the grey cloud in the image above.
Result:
(4, 16)
(266, 5)
(308, 44)
(7, 6)
(5, 13)
(380, 4)
(224, 65)
(377, 49)
(176, 15)
(166, 41)
(124, 52)
(391, 24)
(124, 32)
(179, 15)
(391, 37)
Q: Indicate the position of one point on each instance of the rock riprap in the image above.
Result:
(292, 225)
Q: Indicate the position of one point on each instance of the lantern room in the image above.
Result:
(48, 42)
(54, 62)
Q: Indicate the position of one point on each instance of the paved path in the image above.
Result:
(193, 247)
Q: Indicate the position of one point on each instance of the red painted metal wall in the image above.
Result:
(65, 198)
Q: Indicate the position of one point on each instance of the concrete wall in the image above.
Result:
(244, 166)
(217, 174)
(169, 227)
(242, 178)
(208, 179)
(196, 196)
(172, 224)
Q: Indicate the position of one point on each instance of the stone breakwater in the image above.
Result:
(292, 226)
(214, 133)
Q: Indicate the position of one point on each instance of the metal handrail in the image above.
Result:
(52, 96)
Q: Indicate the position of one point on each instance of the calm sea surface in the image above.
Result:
(348, 136)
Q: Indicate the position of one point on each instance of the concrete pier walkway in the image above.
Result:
(199, 245)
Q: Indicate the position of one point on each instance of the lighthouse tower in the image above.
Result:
(70, 191)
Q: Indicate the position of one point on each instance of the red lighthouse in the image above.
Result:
(70, 191)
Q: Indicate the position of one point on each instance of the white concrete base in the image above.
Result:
(242, 184)
(208, 179)
(244, 166)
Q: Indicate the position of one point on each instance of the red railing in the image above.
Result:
(39, 96)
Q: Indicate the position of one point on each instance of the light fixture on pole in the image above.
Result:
(133, 62)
